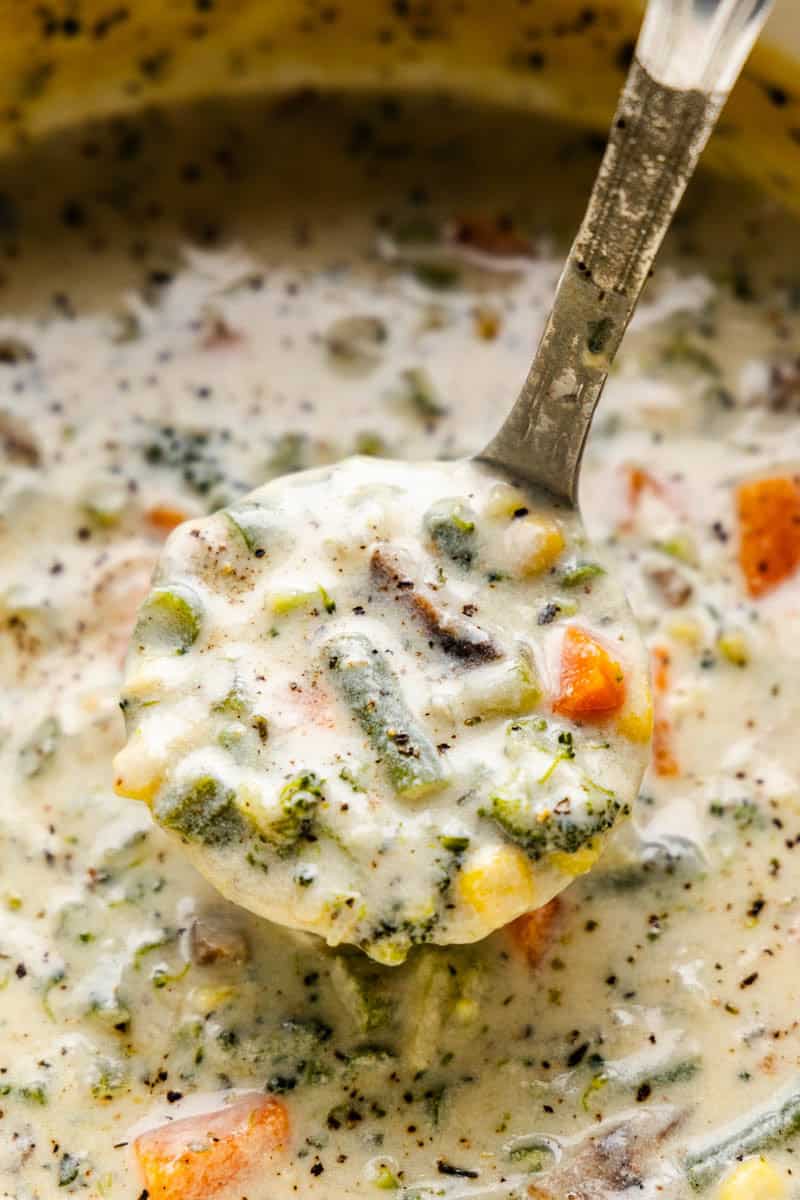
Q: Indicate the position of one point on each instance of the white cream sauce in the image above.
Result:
(589, 1053)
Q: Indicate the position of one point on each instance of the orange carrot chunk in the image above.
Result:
(592, 683)
(196, 1158)
(532, 933)
(165, 518)
(664, 761)
(769, 531)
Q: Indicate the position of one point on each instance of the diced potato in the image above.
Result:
(497, 882)
(532, 544)
(753, 1179)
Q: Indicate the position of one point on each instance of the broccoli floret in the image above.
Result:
(203, 812)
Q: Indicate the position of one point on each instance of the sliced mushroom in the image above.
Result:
(393, 571)
(215, 938)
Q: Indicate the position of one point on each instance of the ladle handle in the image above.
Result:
(688, 56)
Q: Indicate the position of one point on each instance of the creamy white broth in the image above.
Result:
(661, 992)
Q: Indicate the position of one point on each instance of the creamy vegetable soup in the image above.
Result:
(198, 304)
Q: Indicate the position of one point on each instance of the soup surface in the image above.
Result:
(176, 292)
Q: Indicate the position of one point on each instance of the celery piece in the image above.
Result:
(770, 1123)
(372, 693)
(451, 525)
(254, 524)
(205, 812)
(169, 619)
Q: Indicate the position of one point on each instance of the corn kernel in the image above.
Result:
(637, 725)
(498, 884)
(579, 862)
(733, 646)
(208, 999)
(685, 630)
(137, 773)
(504, 500)
(533, 544)
(753, 1179)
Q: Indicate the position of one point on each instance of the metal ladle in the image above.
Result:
(688, 57)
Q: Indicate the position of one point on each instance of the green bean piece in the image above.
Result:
(204, 812)
(775, 1121)
(169, 619)
(372, 693)
(451, 525)
(580, 573)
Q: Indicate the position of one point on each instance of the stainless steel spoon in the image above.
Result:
(688, 57)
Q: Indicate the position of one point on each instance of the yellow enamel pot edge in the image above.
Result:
(99, 58)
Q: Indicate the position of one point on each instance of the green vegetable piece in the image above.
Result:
(384, 1178)
(204, 812)
(290, 453)
(451, 525)
(68, 1168)
(107, 1076)
(534, 1155)
(454, 845)
(39, 750)
(357, 341)
(232, 704)
(358, 989)
(370, 444)
(299, 801)
(169, 619)
(420, 393)
(581, 573)
(254, 524)
(773, 1122)
(562, 832)
(33, 1093)
(372, 693)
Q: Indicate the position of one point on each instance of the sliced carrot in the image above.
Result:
(196, 1158)
(664, 761)
(165, 518)
(592, 683)
(639, 481)
(769, 531)
(532, 933)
